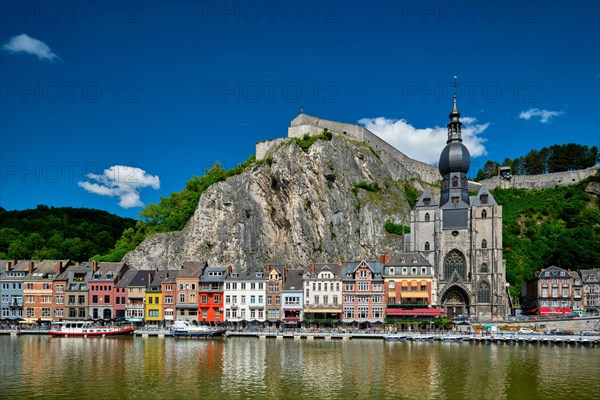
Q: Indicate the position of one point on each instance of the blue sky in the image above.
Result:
(154, 92)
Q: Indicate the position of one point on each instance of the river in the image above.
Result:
(35, 366)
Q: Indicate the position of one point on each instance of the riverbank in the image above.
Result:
(589, 339)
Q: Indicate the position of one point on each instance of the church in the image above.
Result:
(461, 236)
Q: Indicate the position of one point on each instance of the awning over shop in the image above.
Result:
(322, 310)
(417, 312)
(415, 295)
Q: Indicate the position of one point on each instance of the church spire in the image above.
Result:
(454, 126)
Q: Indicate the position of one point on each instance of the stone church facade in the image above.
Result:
(461, 236)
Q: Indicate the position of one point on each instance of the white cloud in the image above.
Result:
(426, 144)
(26, 44)
(544, 115)
(123, 182)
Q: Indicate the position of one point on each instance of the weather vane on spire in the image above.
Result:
(455, 85)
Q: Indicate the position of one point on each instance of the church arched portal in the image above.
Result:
(455, 302)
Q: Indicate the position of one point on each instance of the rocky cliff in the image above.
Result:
(329, 202)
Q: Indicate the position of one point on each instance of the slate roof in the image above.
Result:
(247, 276)
(411, 259)
(105, 267)
(207, 277)
(434, 201)
(191, 269)
(336, 269)
(159, 277)
(483, 190)
(293, 280)
(349, 268)
(45, 270)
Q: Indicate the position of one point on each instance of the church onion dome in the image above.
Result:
(455, 158)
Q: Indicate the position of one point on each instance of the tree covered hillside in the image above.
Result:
(59, 233)
(558, 226)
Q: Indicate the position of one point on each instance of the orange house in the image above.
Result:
(37, 289)
(210, 294)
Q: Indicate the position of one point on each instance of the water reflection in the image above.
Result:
(158, 368)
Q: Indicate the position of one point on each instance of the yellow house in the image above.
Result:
(154, 300)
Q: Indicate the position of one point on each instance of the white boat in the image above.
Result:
(394, 337)
(86, 328)
(185, 329)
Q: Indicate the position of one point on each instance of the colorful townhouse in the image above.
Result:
(11, 285)
(187, 282)
(591, 289)
(154, 299)
(38, 289)
(135, 306)
(75, 280)
(121, 292)
(322, 292)
(577, 292)
(245, 296)
(408, 286)
(168, 286)
(548, 292)
(291, 297)
(363, 292)
(59, 289)
(210, 294)
(274, 288)
(102, 299)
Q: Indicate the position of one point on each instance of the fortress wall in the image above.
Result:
(540, 181)
(263, 148)
(305, 124)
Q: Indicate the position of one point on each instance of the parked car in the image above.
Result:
(526, 331)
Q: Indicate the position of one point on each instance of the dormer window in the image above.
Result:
(391, 270)
(483, 198)
(427, 201)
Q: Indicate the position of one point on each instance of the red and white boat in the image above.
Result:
(86, 329)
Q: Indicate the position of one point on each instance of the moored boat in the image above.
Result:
(185, 329)
(86, 328)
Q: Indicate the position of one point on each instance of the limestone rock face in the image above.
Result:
(302, 205)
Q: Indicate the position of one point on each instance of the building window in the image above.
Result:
(484, 214)
(455, 261)
(426, 246)
(484, 199)
(204, 299)
(484, 244)
(483, 293)
(392, 284)
(182, 298)
(455, 181)
(427, 217)
(217, 300)
(454, 199)
(484, 267)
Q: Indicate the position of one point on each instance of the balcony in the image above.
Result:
(256, 305)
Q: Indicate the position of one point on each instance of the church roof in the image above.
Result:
(433, 200)
(485, 201)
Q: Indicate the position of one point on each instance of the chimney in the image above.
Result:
(313, 266)
(149, 277)
(30, 267)
(229, 270)
(384, 258)
(58, 267)
(8, 266)
(94, 266)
